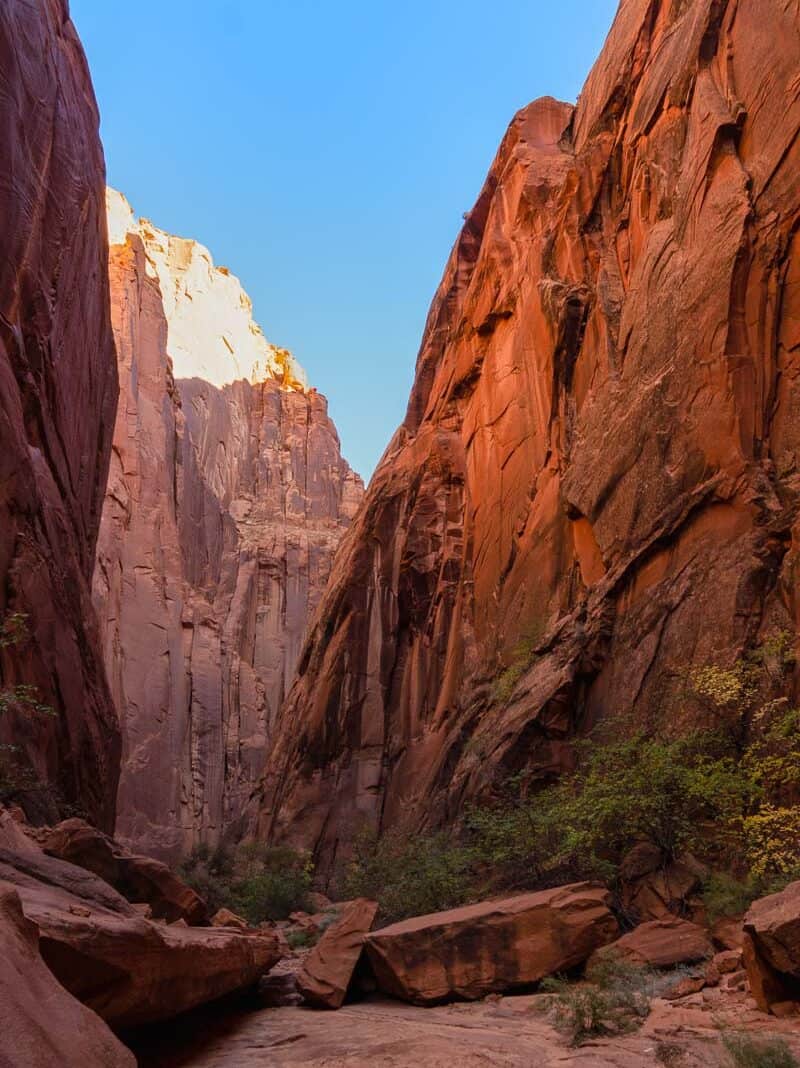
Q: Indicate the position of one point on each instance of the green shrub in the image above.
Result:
(747, 1051)
(23, 697)
(409, 876)
(298, 939)
(725, 895)
(255, 881)
(615, 999)
(273, 883)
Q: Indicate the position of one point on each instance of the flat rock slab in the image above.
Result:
(493, 946)
(325, 976)
(510, 1032)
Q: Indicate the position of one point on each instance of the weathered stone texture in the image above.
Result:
(58, 394)
(595, 486)
(225, 504)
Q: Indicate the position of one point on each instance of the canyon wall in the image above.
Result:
(227, 498)
(596, 483)
(58, 394)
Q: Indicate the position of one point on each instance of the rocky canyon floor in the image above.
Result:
(510, 1032)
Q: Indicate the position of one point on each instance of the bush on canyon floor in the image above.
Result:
(409, 876)
(255, 881)
(614, 999)
(748, 1051)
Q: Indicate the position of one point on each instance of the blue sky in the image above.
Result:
(325, 152)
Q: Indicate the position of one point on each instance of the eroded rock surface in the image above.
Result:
(41, 1025)
(139, 879)
(503, 1033)
(126, 968)
(328, 969)
(772, 948)
(660, 944)
(595, 486)
(494, 946)
(226, 500)
(58, 394)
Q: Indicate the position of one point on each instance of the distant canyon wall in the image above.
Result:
(58, 395)
(227, 498)
(596, 483)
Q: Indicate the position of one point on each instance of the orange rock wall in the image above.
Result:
(596, 482)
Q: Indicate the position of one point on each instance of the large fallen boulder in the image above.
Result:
(493, 946)
(771, 949)
(41, 1025)
(138, 878)
(660, 944)
(128, 969)
(327, 970)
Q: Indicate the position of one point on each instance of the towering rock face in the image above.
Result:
(226, 500)
(596, 483)
(58, 394)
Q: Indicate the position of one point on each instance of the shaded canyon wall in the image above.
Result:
(227, 498)
(596, 482)
(58, 394)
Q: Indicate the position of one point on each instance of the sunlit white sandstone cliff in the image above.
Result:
(226, 501)
(211, 332)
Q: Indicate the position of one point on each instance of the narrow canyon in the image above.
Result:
(496, 761)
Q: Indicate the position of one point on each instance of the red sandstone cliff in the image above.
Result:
(227, 498)
(596, 483)
(58, 392)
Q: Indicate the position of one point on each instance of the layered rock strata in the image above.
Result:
(58, 393)
(595, 486)
(226, 500)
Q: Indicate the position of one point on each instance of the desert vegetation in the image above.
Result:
(257, 882)
(726, 793)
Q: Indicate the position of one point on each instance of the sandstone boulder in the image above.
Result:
(41, 1025)
(727, 932)
(139, 879)
(493, 946)
(327, 970)
(660, 944)
(128, 969)
(654, 888)
(771, 949)
(226, 918)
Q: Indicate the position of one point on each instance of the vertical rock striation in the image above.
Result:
(226, 501)
(58, 393)
(596, 483)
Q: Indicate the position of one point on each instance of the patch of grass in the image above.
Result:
(749, 1051)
